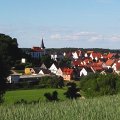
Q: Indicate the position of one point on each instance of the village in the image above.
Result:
(80, 64)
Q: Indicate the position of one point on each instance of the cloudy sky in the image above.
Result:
(62, 23)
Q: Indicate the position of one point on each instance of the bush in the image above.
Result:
(52, 97)
(52, 82)
(98, 85)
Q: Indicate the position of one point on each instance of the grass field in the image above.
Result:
(103, 108)
(29, 95)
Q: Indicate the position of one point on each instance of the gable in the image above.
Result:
(83, 72)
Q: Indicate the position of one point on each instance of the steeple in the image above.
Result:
(42, 44)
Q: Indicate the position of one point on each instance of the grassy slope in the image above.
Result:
(103, 108)
(13, 96)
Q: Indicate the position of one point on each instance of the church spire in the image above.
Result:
(42, 44)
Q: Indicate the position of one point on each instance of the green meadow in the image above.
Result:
(13, 96)
(103, 108)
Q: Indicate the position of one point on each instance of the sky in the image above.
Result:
(62, 23)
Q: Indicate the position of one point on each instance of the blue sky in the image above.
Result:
(62, 23)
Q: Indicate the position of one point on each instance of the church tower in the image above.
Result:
(42, 44)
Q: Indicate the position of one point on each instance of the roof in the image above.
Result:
(110, 62)
(90, 51)
(110, 55)
(37, 69)
(42, 44)
(43, 66)
(98, 55)
(77, 62)
(118, 66)
(37, 49)
(67, 71)
(88, 69)
(97, 68)
(45, 71)
(98, 64)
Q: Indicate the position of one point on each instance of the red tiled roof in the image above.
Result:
(98, 64)
(36, 49)
(67, 71)
(105, 56)
(118, 66)
(98, 55)
(97, 68)
(77, 62)
(110, 55)
(110, 62)
(87, 60)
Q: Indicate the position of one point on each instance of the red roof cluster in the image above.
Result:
(98, 55)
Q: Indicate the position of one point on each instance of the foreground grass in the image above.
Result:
(29, 95)
(104, 108)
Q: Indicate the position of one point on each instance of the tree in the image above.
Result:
(73, 91)
(46, 59)
(9, 49)
(4, 71)
(65, 62)
(98, 85)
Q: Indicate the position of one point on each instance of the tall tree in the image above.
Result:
(73, 91)
(4, 71)
(9, 49)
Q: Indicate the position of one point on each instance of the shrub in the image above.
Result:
(98, 85)
(52, 97)
(51, 81)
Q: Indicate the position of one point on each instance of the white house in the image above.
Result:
(83, 72)
(75, 55)
(59, 72)
(54, 57)
(53, 68)
(116, 67)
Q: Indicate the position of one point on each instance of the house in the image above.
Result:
(109, 63)
(44, 72)
(53, 68)
(54, 57)
(37, 52)
(43, 66)
(75, 55)
(95, 56)
(67, 74)
(110, 55)
(29, 71)
(59, 72)
(85, 71)
(76, 63)
(13, 79)
(116, 67)
(97, 69)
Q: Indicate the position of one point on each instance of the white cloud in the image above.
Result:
(56, 36)
(86, 36)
